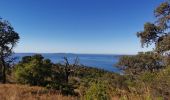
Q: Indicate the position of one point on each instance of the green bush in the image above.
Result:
(97, 91)
(33, 70)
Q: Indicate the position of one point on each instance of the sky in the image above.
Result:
(79, 26)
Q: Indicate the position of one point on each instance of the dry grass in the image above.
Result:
(23, 92)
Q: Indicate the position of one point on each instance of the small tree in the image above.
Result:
(68, 66)
(8, 40)
(33, 70)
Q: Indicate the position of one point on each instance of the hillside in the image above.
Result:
(24, 92)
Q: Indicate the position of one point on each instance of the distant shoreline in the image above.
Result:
(73, 53)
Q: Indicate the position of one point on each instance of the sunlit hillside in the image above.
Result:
(24, 92)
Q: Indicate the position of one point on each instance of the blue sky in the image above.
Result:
(78, 26)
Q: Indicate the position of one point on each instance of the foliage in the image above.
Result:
(8, 40)
(97, 91)
(150, 34)
(33, 70)
(156, 85)
(158, 32)
(142, 62)
(65, 89)
(150, 69)
(91, 83)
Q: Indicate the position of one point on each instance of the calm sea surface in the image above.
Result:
(106, 62)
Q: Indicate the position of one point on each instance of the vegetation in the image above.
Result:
(158, 32)
(33, 70)
(97, 91)
(20, 92)
(8, 40)
(145, 75)
(140, 63)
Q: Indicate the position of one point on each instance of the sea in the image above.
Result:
(101, 61)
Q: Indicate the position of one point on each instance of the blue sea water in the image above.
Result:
(106, 62)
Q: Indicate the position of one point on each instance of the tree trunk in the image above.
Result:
(3, 71)
(66, 76)
(66, 79)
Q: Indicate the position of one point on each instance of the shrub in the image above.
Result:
(97, 91)
(65, 89)
(33, 70)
